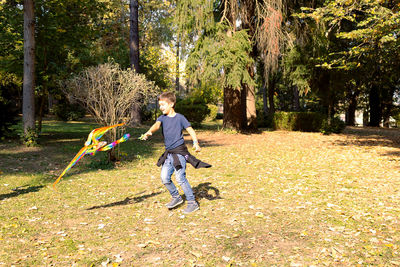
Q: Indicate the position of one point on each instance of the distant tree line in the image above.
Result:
(255, 57)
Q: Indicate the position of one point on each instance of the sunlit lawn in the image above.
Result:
(274, 198)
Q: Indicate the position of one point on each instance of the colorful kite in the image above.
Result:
(92, 145)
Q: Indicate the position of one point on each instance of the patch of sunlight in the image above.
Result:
(68, 140)
(21, 149)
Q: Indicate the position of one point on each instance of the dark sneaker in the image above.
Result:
(191, 206)
(175, 201)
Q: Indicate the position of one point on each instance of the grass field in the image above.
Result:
(273, 198)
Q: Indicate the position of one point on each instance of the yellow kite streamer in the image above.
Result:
(92, 145)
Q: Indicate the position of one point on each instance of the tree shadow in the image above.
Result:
(21, 191)
(372, 136)
(126, 201)
(59, 143)
(205, 190)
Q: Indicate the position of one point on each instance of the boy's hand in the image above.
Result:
(196, 147)
(145, 136)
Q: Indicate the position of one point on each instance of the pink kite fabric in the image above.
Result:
(92, 145)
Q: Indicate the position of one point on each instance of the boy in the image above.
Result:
(176, 154)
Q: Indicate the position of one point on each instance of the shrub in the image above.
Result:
(30, 138)
(194, 109)
(10, 84)
(150, 113)
(108, 92)
(336, 126)
(213, 112)
(297, 121)
(69, 112)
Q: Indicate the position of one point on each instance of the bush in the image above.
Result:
(69, 112)
(10, 85)
(194, 109)
(336, 126)
(147, 113)
(297, 121)
(213, 112)
(30, 138)
(8, 117)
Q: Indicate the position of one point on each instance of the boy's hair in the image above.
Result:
(168, 96)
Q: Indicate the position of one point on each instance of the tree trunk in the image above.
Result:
(249, 112)
(135, 113)
(387, 106)
(271, 93)
(265, 100)
(28, 103)
(134, 35)
(375, 115)
(177, 66)
(386, 117)
(41, 112)
(232, 109)
(43, 93)
(134, 53)
(365, 117)
(296, 99)
(351, 110)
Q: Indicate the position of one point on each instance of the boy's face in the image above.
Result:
(165, 107)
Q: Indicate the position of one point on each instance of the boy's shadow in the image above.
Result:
(20, 191)
(205, 190)
(126, 201)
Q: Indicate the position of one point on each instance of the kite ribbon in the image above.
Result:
(92, 145)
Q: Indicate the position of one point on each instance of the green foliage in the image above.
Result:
(30, 138)
(222, 59)
(9, 94)
(154, 67)
(297, 69)
(150, 113)
(396, 116)
(101, 162)
(363, 28)
(210, 91)
(69, 112)
(297, 121)
(194, 109)
(213, 112)
(336, 125)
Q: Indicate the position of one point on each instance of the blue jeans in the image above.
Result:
(168, 169)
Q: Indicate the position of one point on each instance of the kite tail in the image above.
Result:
(113, 144)
(78, 156)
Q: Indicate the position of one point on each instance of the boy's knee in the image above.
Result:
(181, 178)
(165, 179)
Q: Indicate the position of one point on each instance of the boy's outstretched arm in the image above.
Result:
(196, 145)
(152, 130)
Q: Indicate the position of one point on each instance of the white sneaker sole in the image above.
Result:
(177, 204)
(188, 212)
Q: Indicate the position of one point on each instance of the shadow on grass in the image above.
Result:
(21, 191)
(205, 190)
(126, 201)
(59, 143)
(372, 136)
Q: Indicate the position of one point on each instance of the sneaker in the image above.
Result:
(175, 201)
(191, 206)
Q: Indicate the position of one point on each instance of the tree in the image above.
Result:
(254, 27)
(108, 92)
(134, 35)
(28, 106)
(365, 35)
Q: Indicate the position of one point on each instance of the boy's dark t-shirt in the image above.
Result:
(172, 130)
